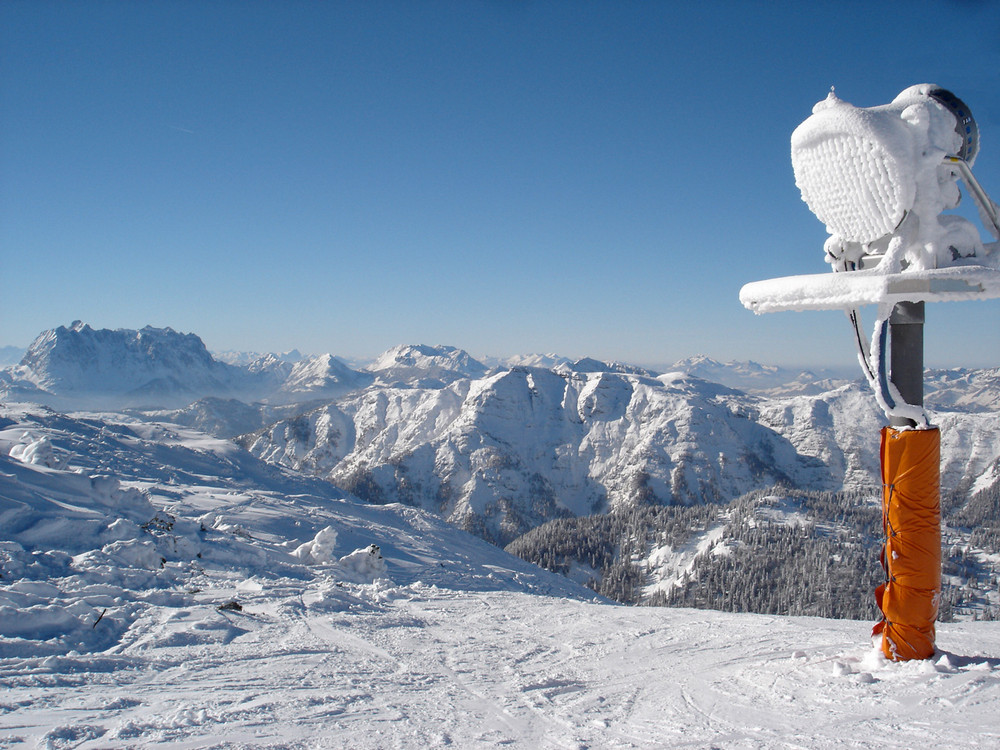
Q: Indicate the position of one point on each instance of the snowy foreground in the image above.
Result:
(425, 666)
(203, 599)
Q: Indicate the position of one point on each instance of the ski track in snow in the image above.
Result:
(380, 665)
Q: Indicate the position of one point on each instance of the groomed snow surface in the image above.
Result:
(382, 665)
(202, 599)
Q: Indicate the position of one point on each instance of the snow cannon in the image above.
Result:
(881, 179)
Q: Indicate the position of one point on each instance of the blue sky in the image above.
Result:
(586, 178)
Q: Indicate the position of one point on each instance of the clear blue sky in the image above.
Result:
(586, 178)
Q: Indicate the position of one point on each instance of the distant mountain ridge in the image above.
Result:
(159, 367)
(425, 366)
(245, 358)
(501, 454)
(152, 363)
(757, 378)
(82, 367)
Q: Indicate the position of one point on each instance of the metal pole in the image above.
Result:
(906, 358)
(911, 503)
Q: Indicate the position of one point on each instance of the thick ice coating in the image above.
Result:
(854, 169)
(878, 178)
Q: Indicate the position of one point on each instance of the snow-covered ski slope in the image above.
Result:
(383, 665)
(200, 598)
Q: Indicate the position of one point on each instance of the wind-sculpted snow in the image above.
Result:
(317, 661)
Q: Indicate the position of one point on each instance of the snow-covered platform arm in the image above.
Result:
(853, 289)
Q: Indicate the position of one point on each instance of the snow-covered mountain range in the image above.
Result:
(503, 453)
(81, 367)
(160, 587)
(501, 450)
(160, 583)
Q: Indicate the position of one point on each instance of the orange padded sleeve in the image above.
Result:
(911, 519)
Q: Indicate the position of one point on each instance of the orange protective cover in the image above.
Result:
(911, 519)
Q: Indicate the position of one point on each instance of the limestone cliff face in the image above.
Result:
(501, 454)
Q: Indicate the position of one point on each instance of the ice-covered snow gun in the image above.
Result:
(880, 179)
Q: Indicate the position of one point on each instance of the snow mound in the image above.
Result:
(364, 565)
(36, 451)
(320, 549)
